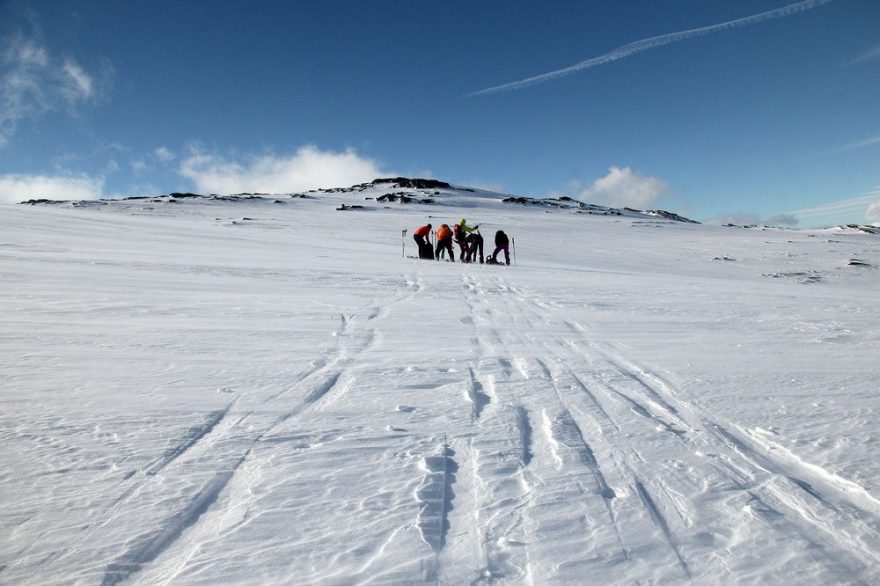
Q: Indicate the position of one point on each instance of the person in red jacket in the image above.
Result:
(421, 235)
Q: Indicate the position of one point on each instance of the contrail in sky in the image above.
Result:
(654, 42)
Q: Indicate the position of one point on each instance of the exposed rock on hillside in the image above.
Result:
(414, 183)
(580, 207)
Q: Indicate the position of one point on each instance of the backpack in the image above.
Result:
(456, 233)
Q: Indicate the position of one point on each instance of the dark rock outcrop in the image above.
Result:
(414, 183)
(671, 216)
(863, 228)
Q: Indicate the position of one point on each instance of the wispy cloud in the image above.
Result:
(866, 205)
(17, 188)
(161, 156)
(33, 83)
(856, 145)
(307, 168)
(872, 214)
(751, 219)
(78, 84)
(871, 55)
(653, 43)
(164, 154)
(783, 220)
(493, 186)
(622, 187)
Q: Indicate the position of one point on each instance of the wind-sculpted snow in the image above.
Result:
(234, 390)
(435, 495)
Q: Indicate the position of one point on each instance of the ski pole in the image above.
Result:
(513, 242)
(403, 244)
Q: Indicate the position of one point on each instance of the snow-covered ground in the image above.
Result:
(188, 396)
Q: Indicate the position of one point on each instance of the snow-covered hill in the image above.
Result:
(396, 190)
(264, 389)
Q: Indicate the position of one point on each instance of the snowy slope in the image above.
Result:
(190, 396)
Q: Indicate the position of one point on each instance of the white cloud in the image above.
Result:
(79, 84)
(308, 168)
(163, 154)
(623, 187)
(26, 52)
(33, 83)
(17, 188)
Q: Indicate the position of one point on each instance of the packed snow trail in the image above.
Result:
(251, 402)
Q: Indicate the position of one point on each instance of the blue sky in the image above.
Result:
(759, 110)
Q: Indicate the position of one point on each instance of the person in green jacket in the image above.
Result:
(461, 237)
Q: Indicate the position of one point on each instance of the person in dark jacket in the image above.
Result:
(501, 243)
(475, 245)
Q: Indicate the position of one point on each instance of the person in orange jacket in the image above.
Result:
(444, 242)
(421, 236)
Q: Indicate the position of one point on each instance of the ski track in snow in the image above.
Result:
(192, 436)
(660, 520)
(311, 388)
(827, 503)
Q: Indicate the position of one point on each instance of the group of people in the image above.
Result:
(468, 238)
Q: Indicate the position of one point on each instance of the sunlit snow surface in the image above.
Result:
(187, 396)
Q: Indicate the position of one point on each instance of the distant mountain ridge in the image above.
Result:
(406, 190)
(401, 190)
